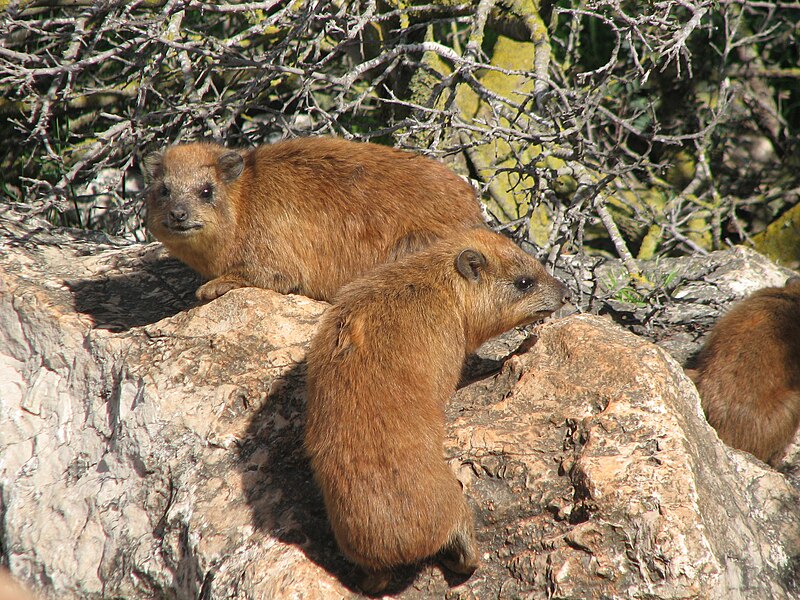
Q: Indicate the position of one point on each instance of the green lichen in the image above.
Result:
(422, 86)
(780, 241)
(650, 243)
(496, 161)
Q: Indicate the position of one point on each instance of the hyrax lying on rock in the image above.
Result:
(303, 216)
(385, 360)
(748, 372)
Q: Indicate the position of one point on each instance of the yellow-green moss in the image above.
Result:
(650, 243)
(780, 241)
(510, 191)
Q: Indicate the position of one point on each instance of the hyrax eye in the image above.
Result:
(164, 191)
(524, 284)
(207, 192)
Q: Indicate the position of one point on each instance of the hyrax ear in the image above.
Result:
(231, 165)
(152, 165)
(470, 263)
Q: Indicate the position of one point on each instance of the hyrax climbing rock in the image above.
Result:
(301, 216)
(385, 360)
(748, 372)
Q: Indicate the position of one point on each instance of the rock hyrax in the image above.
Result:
(385, 360)
(748, 372)
(303, 216)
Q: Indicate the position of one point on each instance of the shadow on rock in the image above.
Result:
(136, 297)
(279, 486)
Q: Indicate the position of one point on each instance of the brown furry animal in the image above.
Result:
(748, 372)
(383, 364)
(302, 216)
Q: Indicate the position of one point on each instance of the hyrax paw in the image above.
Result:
(461, 565)
(374, 582)
(216, 288)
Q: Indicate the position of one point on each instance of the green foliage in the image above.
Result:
(638, 291)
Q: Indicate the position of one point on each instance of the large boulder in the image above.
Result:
(151, 448)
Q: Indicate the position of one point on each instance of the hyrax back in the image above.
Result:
(303, 216)
(748, 372)
(385, 360)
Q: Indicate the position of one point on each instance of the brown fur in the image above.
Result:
(303, 216)
(748, 372)
(385, 361)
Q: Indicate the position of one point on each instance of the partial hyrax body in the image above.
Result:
(303, 216)
(748, 372)
(385, 360)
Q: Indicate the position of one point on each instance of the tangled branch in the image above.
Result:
(593, 127)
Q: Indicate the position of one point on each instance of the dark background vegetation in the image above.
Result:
(634, 130)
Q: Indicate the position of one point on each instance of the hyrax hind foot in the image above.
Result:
(374, 582)
(459, 563)
(461, 554)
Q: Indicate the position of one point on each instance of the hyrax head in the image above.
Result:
(188, 191)
(503, 286)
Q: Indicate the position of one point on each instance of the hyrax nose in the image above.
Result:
(178, 214)
(559, 294)
(566, 295)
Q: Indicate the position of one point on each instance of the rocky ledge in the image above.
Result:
(151, 448)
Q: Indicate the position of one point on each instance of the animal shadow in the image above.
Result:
(279, 487)
(139, 295)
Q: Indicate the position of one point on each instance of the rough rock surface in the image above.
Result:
(150, 448)
(698, 290)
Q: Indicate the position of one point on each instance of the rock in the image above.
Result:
(688, 295)
(151, 448)
(597, 476)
